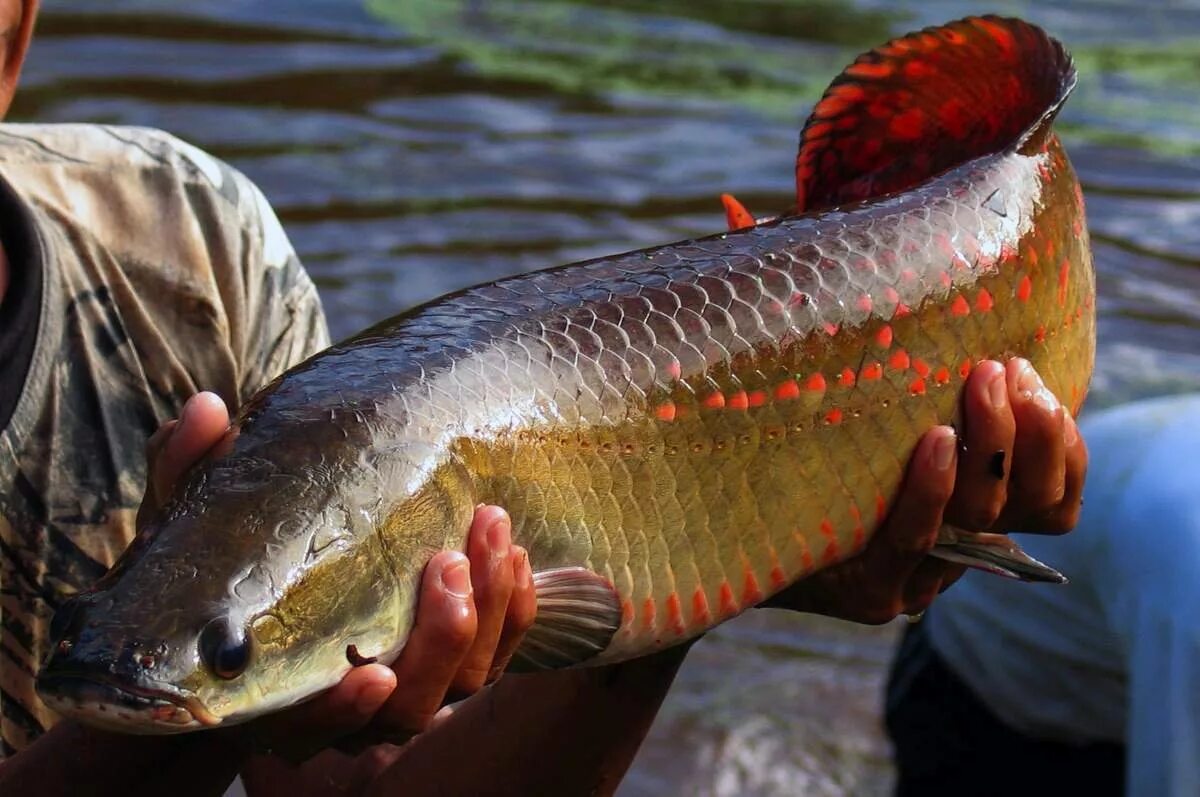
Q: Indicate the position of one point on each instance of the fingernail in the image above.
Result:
(1028, 380)
(456, 578)
(1046, 400)
(204, 396)
(1070, 431)
(499, 537)
(943, 452)
(998, 391)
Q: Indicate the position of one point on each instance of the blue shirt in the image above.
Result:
(1115, 654)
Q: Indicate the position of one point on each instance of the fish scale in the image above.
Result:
(677, 433)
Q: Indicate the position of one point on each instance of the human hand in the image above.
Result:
(472, 611)
(1007, 409)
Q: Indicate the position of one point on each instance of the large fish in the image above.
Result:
(678, 432)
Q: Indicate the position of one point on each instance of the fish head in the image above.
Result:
(229, 607)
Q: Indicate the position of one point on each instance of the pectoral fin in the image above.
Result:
(577, 614)
(993, 553)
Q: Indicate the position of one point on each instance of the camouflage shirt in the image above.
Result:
(142, 271)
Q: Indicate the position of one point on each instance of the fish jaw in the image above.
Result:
(147, 709)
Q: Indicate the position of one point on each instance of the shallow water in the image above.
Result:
(413, 147)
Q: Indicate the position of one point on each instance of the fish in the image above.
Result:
(678, 432)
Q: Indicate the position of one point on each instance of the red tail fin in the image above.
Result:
(927, 102)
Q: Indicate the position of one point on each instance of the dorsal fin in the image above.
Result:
(927, 102)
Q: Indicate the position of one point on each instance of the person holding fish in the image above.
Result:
(137, 270)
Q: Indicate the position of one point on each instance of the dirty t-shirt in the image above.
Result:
(143, 270)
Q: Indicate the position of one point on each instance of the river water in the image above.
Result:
(413, 147)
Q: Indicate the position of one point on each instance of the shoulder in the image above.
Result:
(193, 237)
(106, 177)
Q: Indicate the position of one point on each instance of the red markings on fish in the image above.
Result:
(1001, 35)
(884, 336)
(1040, 334)
(917, 387)
(674, 370)
(964, 368)
(880, 508)
(1064, 273)
(738, 401)
(864, 303)
(751, 594)
(832, 549)
(626, 612)
(869, 70)
(959, 306)
(725, 599)
(815, 383)
(871, 371)
(917, 69)
(830, 329)
(756, 398)
(941, 375)
(648, 614)
(1025, 288)
(907, 125)
(899, 360)
(665, 411)
(983, 301)
(921, 367)
(953, 115)
(860, 534)
(778, 579)
(700, 613)
(833, 417)
(847, 378)
(675, 614)
(787, 391)
(943, 242)
(714, 401)
(901, 311)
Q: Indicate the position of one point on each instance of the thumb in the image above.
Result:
(178, 445)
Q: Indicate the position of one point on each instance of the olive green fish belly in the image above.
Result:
(729, 487)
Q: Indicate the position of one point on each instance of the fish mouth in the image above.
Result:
(129, 708)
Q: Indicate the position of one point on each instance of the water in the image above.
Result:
(413, 147)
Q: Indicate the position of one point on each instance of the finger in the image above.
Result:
(154, 447)
(931, 577)
(913, 522)
(1038, 480)
(201, 424)
(981, 485)
(1065, 515)
(441, 637)
(522, 611)
(489, 546)
(301, 731)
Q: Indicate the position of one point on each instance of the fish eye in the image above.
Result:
(224, 649)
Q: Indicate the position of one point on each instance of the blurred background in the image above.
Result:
(413, 147)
